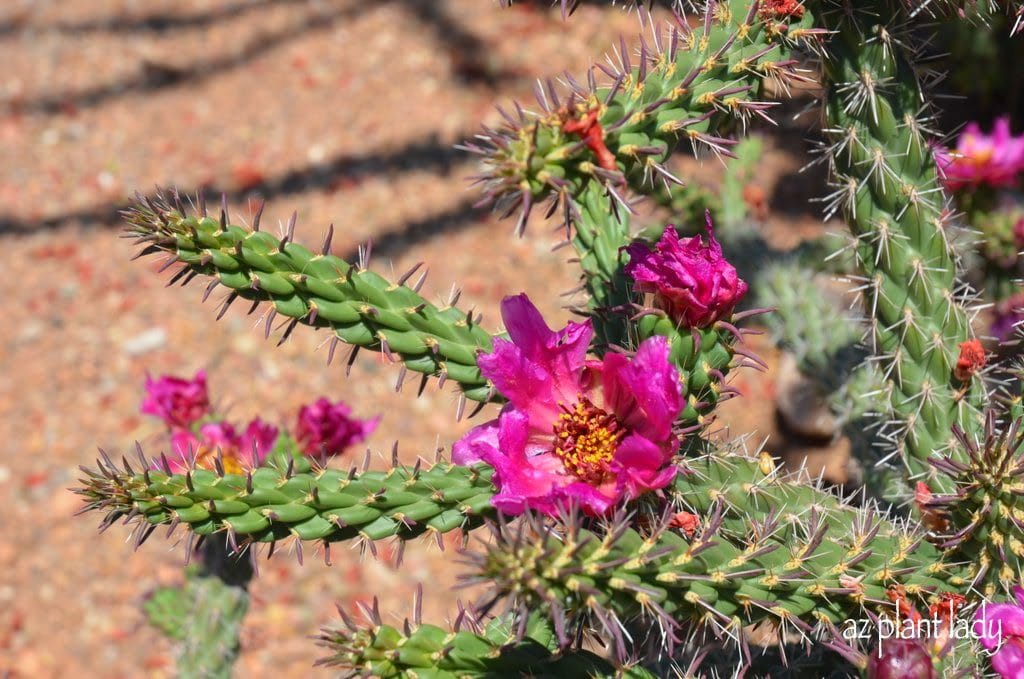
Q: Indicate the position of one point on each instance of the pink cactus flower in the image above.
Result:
(690, 279)
(238, 451)
(995, 160)
(177, 401)
(327, 428)
(574, 429)
(1000, 628)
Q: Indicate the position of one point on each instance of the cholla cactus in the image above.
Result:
(625, 540)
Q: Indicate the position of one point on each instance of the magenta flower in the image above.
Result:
(179, 402)
(690, 279)
(238, 451)
(994, 160)
(590, 431)
(1000, 628)
(326, 428)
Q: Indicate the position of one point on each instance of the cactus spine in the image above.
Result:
(684, 86)
(888, 190)
(267, 504)
(321, 290)
(420, 650)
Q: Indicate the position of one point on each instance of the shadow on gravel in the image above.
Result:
(157, 22)
(428, 153)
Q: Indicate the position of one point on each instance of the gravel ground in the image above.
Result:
(344, 111)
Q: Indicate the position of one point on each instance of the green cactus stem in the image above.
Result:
(797, 569)
(888, 190)
(269, 504)
(684, 86)
(318, 289)
(204, 615)
(982, 520)
(420, 650)
(600, 234)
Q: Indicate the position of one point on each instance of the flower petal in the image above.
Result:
(645, 392)
(1009, 660)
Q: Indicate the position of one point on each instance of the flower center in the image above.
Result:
(585, 440)
(207, 454)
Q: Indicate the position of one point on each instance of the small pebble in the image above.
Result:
(145, 341)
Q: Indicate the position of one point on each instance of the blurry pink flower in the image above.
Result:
(690, 279)
(573, 429)
(179, 402)
(1001, 626)
(994, 160)
(326, 428)
(238, 451)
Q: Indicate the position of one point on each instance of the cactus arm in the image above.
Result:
(210, 645)
(421, 651)
(888, 190)
(204, 615)
(268, 504)
(600, 234)
(820, 575)
(685, 87)
(321, 290)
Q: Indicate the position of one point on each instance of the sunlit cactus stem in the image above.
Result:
(269, 504)
(887, 188)
(684, 85)
(317, 289)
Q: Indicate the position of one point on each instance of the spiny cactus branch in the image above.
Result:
(317, 289)
(683, 85)
(265, 505)
(887, 187)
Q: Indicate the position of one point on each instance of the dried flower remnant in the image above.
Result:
(971, 360)
(591, 132)
(574, 430)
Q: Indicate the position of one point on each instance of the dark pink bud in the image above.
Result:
(177, 401)
(901, 659)
(326, 428)
(689, 278)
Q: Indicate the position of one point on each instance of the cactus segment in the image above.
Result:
(600, 234)
(982, 520)
(318, 289)
(684, 86)
(888, 190)
(209, 646)
(420, 650)
(799, 575)
(267, 504)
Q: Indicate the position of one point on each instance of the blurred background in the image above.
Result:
(346, 112)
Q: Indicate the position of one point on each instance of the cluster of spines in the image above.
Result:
(267, 504)
(801, 576)
(887, 187)
(759, 546)
(321, 290)
(982, 519)
(472, 650)
(683, 85)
